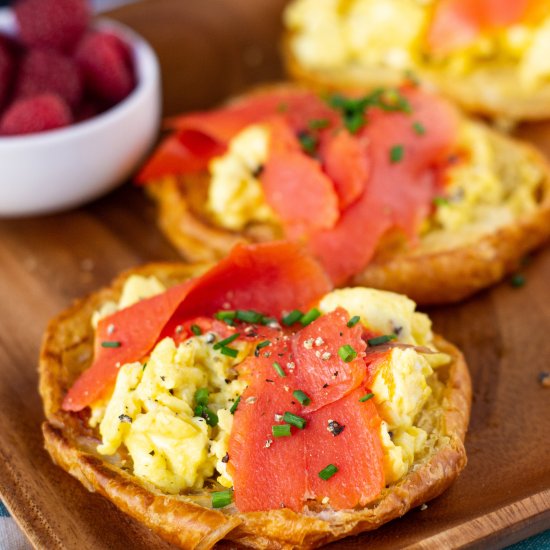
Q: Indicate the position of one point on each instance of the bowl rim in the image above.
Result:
(148, 75)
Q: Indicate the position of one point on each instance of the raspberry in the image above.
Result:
(57, 24)
(104, 60)
(6, 70)
(37, 114)
(44, 71)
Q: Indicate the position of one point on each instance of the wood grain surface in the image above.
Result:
(210, 50)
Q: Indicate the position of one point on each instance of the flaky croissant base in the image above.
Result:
(188, 520)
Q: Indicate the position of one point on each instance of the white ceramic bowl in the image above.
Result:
(56, 170)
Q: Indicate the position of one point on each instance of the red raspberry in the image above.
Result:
(104, 61)
(37, 114)
(57, 24)
(6, 70)
(43, 72)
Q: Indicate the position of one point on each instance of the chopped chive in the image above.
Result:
(292, 317)
(280, 430)
(517, 280)
(220, 499)
(282, 107)
(310, 316)
(196, 330)
(318, 123)
(441, 201)
(308, 142)
(226, 315)
(295, 420)
(269, 321)
(328, 472)
(354, 121)
(366, 397)
(260, 346)
(235, 405)
(378, 340)
(396, 153)
(279, 370)
(208, 414)
(301, 397)
(419, 128)
(201, 396)
(353, 321)
(347, 353)
(230, 352)
(226, 341)
(110, 344)
(249, 316)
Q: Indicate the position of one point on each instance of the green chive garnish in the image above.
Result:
(381, 339)
(201, 396)
(328, 472)
(292, 317)
(110, 344)
(396, 153)
(235, 405)
(353, 321)
(441, 201)
(226, 315)
(220, 499)
(295, 420)
(249, 316)
(301, 397)
(280, 430)
(419, 128)
(354, 122)
(347, 353)
(308, 142)
(230, 352)
(318, 123)
(310, 316)
(517, 280)
(208, 414)
(196, 330)
(260, 346)
(279, 370)
(366, 397)
(226, 341)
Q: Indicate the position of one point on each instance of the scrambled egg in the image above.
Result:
(332, 34)
(151, 411)
(478, 197)
(235, 196)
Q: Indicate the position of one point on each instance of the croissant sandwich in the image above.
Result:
(393, 189)
(248, 401)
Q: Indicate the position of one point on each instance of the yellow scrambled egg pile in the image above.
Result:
(151, 410)
(331, 34)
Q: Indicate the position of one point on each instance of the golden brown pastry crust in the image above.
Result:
(66, 352)
(427, 277)
(491, 92)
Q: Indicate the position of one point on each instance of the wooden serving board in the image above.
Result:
(210, 50)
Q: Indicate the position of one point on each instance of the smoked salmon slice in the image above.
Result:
(458, 23)
(268, 278)
(345, 434)
(296, 187)
(401, 185)
(271, 472)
